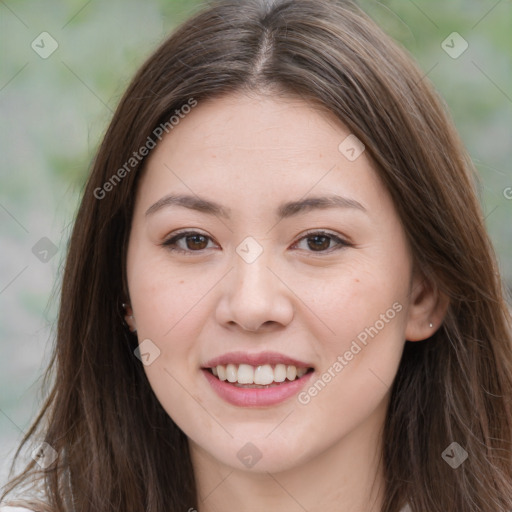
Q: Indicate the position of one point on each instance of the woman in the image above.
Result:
(279, 292)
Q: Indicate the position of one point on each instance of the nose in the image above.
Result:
(254, 298)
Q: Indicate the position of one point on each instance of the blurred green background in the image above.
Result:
(55, 110)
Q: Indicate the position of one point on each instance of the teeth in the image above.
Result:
(263, 375)
(245, 374)
(291, 372)
(280, 373)
(301, 372)
(231, 372)
(221, 371)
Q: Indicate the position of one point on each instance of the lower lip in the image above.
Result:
(256, 397)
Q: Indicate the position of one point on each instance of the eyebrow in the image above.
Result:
(284, 211)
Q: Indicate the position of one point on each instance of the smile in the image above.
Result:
(257, 376)
(256, 380)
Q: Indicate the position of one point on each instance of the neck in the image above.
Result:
(345, 478)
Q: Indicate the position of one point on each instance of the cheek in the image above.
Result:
(359, 333)
(164, 297)
(343, 302)
(359, 361)
(171, 314)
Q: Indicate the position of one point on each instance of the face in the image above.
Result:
(262, 252)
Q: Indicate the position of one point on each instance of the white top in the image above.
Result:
(14, 509)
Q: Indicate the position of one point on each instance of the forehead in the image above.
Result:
(258, 149)
(257, 124)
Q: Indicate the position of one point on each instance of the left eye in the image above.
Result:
(321, 242)
(192, 241)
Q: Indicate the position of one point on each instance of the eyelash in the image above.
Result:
(170, 243)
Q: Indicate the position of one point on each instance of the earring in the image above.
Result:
(431, 325)
(129, 318)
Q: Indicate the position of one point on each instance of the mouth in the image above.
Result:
(256, 380)
(258, 377)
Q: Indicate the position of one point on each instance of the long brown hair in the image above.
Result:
(117, 449)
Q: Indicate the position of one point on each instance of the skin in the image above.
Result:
(251, 153)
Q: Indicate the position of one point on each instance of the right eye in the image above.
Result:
(187, 242)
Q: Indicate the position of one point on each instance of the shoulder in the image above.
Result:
(14, 509)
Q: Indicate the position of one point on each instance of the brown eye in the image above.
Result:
(188, 242)
(319, 242)
(196, 242)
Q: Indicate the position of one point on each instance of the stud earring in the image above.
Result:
(431, 325)
(129, 318)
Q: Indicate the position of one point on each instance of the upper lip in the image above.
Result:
(258, 359)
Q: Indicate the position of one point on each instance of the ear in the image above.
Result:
(129, 318)
(427, 307)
